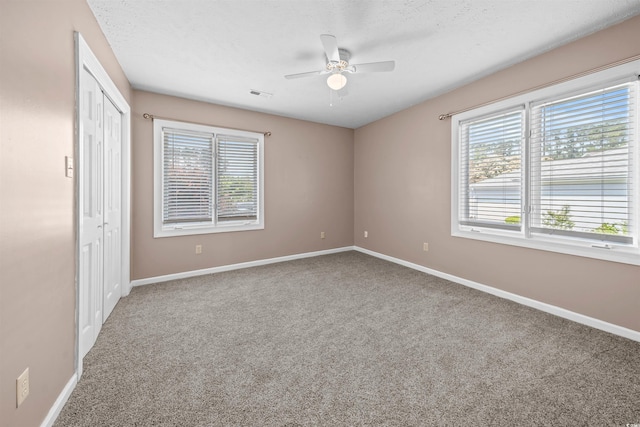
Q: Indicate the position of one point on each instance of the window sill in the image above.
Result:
(596, 250)
(192, 230)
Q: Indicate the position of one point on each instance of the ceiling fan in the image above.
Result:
(338, 65)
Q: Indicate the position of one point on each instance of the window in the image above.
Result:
(555, 169)
(491, 187)
(207, 179)
(581, 155)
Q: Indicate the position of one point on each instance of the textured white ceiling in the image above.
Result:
(219, 50)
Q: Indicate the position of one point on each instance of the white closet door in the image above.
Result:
(112, 208)
(91, 218)
(100, 202)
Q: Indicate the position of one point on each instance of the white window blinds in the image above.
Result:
(554, 169)
(187, 178)
(582, 155)
(237, 172)
(206, 179)
(490, 171)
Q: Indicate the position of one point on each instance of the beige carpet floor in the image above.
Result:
(347, 340)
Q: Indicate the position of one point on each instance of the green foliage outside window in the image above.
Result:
(512, 219)
(576, 141)
(238, 189)
(559, 220)
(612, 228)
(237, 197)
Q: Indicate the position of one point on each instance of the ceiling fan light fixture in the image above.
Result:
(336, 81)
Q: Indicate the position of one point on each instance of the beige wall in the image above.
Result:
(402, 193)
(37, 231)
(308, 189)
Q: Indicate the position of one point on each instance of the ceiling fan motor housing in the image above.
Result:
(340, 66)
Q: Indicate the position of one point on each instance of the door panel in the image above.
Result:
(112, 214)
(91, 218)
(85, 297)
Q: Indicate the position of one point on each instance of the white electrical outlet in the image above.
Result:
(22, 387)
(198, 249)
(425, 247)
(366, 234)
(322, 234)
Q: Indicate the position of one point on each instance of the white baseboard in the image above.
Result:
(60, 402)
(548, 308)
(194, 273)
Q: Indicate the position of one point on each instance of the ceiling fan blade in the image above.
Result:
(308, 74)
(373, 67)
(330, 47)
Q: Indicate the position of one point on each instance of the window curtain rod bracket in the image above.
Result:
(151, 116)
(542, 86)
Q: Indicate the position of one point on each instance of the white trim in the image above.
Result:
(584, 248)
(547, 308)
(60, 402)
(194, 273)
(85, 59)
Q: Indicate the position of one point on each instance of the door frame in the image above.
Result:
(85, 59)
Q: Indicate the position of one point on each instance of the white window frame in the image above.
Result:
(184, 229)
(628, 254)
